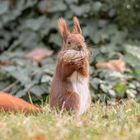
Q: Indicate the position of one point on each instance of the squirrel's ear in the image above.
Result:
(77, 28)
(63, 28)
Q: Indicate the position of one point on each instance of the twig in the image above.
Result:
(10, 86)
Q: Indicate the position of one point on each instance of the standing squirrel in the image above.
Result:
(70, 84)
(69, 87)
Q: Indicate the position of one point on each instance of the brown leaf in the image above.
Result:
(6, 62)
(39, 53)
(40, 137)
(138, 118)
(116, 65)
(44, 11)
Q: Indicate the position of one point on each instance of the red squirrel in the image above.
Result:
(70, 84)
(69, 87)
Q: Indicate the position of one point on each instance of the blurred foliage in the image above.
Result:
(111, 29)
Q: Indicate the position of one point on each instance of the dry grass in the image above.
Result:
(101, 122)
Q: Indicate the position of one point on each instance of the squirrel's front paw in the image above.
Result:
(79, 63)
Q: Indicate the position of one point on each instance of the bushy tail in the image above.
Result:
(9, 103)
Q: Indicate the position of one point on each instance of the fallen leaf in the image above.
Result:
(40, 137)
(116, 65)
(138, 118)
(6, 62)
(39, 54)
(3, 125)
(105, 116)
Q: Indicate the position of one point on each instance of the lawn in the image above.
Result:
(100, 122)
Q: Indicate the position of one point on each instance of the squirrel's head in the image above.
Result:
(72, 40)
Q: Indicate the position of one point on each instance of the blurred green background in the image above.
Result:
(110, 27)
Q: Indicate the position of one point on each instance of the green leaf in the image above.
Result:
(40, 89)
(97, 6)
(137, 73)
(55, 38)
(120, 89)
(29, 39)
(80, 10)
(132, 55)
(19, 73)
(133, 50)
(35, 23)
(4, 5)
(52, 6)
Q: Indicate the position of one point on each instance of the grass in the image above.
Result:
(101, 122)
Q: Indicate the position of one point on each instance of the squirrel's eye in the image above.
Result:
(69, 42)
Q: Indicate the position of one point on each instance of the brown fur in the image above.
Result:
(10, 103)
(72, 57)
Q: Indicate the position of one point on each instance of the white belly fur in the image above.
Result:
(80, 86)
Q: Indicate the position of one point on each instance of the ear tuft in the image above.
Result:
(63, 28)
(77, 28)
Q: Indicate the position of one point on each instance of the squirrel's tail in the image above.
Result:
(9, 103)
